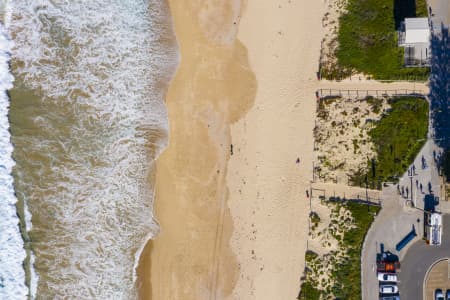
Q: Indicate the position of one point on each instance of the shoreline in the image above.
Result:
(212, 88)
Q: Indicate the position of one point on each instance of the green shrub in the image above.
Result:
(309, 292)
(310, 256)
(368, 42)
(398, 138)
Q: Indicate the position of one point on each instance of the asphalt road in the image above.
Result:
(417, 261)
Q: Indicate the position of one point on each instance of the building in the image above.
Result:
(414, 36)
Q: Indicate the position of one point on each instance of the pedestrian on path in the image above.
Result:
(421, 188)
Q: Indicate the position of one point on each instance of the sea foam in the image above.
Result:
(12, 253)
(89, 133)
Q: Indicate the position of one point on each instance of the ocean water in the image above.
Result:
(12, 252)
(87, 120)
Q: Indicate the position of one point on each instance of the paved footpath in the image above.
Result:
(372, 85)
(440, 13)
(394, 221)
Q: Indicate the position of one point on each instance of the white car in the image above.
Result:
(388, 289)
(387, 277)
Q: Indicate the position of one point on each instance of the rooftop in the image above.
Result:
(416, 31)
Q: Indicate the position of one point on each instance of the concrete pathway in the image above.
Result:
(394, 221)
(373, 85)
(423, 176)
(440, 13)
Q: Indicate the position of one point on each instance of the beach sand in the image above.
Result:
(267, 186)
(230, 196)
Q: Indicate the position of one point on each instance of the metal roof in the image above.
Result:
(416, 23)
(417, 31)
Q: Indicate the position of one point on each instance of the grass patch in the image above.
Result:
(375, 104)
(309, 292)
(421, 8)
(347, 275)
(398, 137)
(310, 256)
(368, 41)
(346, 270)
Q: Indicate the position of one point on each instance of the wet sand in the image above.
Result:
(213, 87)
(230, 196)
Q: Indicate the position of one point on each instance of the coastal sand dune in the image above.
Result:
(230, 195)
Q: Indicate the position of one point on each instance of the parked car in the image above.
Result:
(390, 298)
(438, 295)
(447, 294)
(389, 289)
(387, 277)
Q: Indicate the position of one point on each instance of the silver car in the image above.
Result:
(388, 289)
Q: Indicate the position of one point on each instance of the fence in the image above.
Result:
(361, 94)
(328, 196)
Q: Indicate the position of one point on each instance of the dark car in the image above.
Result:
(447, 295)
(438, 295)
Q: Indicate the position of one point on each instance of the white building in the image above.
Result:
(415, 38)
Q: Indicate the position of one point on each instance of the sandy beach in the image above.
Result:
(230, 187)
(267, 186)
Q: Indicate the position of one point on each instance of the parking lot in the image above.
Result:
(438, 277)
